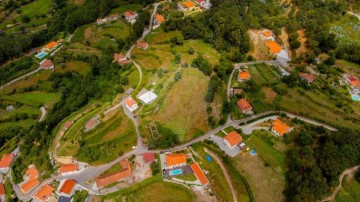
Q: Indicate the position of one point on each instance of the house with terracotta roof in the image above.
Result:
(5, 162)
(199, 174)
(243, 76)
(280, 128)
(142, 45)
(131, 16)
(68, 125)
(101, 21)
(47, 64)
(175, 160)
(121, 59)
(309, 78)
(274, 47)
(353, 82)
(30, 180)
(159, 19)
(50, 46)
(268, 35)
(244, 106)
(66, 169)
(44, 193)
(117, 176)
(186, 6)
(2, 192)
(148, 157)
(205, 4)
(232, 139)
(67, 188)
(131, 104)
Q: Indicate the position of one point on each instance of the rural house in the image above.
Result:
(101, 21)
(30, 180)
(244, 76)
(159, 19)
(131, 16)
(142, 45)
(44, 193)
(186, 6)
(66, 169)
(67, 188)
(280, 128)
(268, 35)
(204, 4)
(47, 64)
(148, 157)
(5, 162)
(121, 59)
(124, 174)
(175, 160)
(131, 104)
(50, 46)
(274, 48)
(199, 174)
(147, 97)
(232, 139)
(244, 106)
(309, 78)
(2, 192)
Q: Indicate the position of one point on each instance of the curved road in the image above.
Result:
(43, 114)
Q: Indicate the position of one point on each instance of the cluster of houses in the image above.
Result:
(189, 5)
(145, 96)
(129, 15)
(127, 173)
(176, 164)
(5, 163)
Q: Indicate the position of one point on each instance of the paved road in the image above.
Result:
(349, 171)
(43, 114)
(227, 176)
(21, 77)
(354, 14)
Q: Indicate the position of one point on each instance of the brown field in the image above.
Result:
(265, 184)
(285, 39)
(260, 50)
(270, 94)
(303, 40)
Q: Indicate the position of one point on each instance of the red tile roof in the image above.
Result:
(199, 174)
(47, 64)
(68, 187)
(280, 127)
(6, 160)
(244, 105)
(51, 45)
(29, 185)
(65, 168)
(44, 193)
(244, 75)
(274, 47)
(149, 157)
(142, 44)
(115, 176)
(175, 159)
(188, 4)
(32, 172)
(199, 1)
(2, 190)
(308, 77)
(160, 18)
(267, 34)
(130, 102)
(233, 138)
(129, 13)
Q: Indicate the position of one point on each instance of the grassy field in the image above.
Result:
(32, 98)
(350, 191)
(274, 158)
(78, 66)
(152, 189)
(122, 9)
(347, 30)
(187, 177)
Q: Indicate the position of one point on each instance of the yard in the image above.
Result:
(350, 191)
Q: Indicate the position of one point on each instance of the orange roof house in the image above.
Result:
(142, 45)
(244, 106)
(121, 59)
(31, 172)
(68, 168)
(51, 45)
(267, 34)
(175, 159)
(199, 174)
(307, 77)
(232, 139)
(130, 102)
(160, 18)
(47, 64)
(67, 188)
(128, 14)
(244, 76)
(2, 190)
(274, 47)
(29, 185)
(280, 128)
(115, 176)
(5, 162)
(188, 4)
(44, 193)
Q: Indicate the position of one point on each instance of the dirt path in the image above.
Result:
(216, 158)
(43, 114)
(349, 171)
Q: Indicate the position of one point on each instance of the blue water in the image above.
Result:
(175, 172)
(40, 55)
(355, 97)
(253, 152)
(208, 158)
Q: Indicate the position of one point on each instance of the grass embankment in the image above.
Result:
(350, 191)
(34, 98)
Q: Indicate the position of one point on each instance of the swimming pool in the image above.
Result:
(253, 152)
(175, 172)
(355, 97)
(40, 55)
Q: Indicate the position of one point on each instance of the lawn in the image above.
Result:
(350, 191)
(186, 177)
(30, 111)
(152, 189)
(35, 98)
(274, 158)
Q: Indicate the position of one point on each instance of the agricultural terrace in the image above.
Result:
(349, 191)
(37, 12)
(34, 98)
(100, 145)
(152, 189)
(103, 36)
(319, 100)
(347, 30)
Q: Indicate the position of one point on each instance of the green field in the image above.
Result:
(122, 9)
(350, 191)
(273, 157)
(347, 30)
(35, 98)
